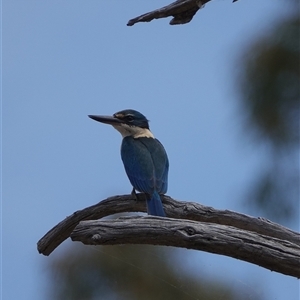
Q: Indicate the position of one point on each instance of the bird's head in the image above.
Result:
(127, 122)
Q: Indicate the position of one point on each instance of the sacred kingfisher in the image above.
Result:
(144, 157)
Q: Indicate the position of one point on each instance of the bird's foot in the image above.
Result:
(134, 194)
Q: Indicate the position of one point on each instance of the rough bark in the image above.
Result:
(189, 225)
(268, 252)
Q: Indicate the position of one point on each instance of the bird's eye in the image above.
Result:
(129, 118)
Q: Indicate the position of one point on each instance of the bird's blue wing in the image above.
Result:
(160, 163)
(146, 164)
(138, 164)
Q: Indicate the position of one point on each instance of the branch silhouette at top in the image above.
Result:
(182, 12)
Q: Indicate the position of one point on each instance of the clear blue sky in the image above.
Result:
(63, 60)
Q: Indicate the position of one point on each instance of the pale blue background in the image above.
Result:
(63, 60)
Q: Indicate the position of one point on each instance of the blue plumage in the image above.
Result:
(144, 157)
(146, 164)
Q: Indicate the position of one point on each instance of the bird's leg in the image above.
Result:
(133, 193)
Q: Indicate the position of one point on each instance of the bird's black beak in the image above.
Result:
(106, 119)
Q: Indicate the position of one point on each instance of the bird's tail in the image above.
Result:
(154, 205)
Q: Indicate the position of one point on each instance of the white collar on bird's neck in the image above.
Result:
(134, 131)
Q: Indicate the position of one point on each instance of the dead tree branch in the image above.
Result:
(271, 253)
(182, 12)
(189, 225)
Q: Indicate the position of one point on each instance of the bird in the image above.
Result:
(145, 159)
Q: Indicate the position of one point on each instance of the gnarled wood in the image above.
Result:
(268, 252)
(174, 209)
